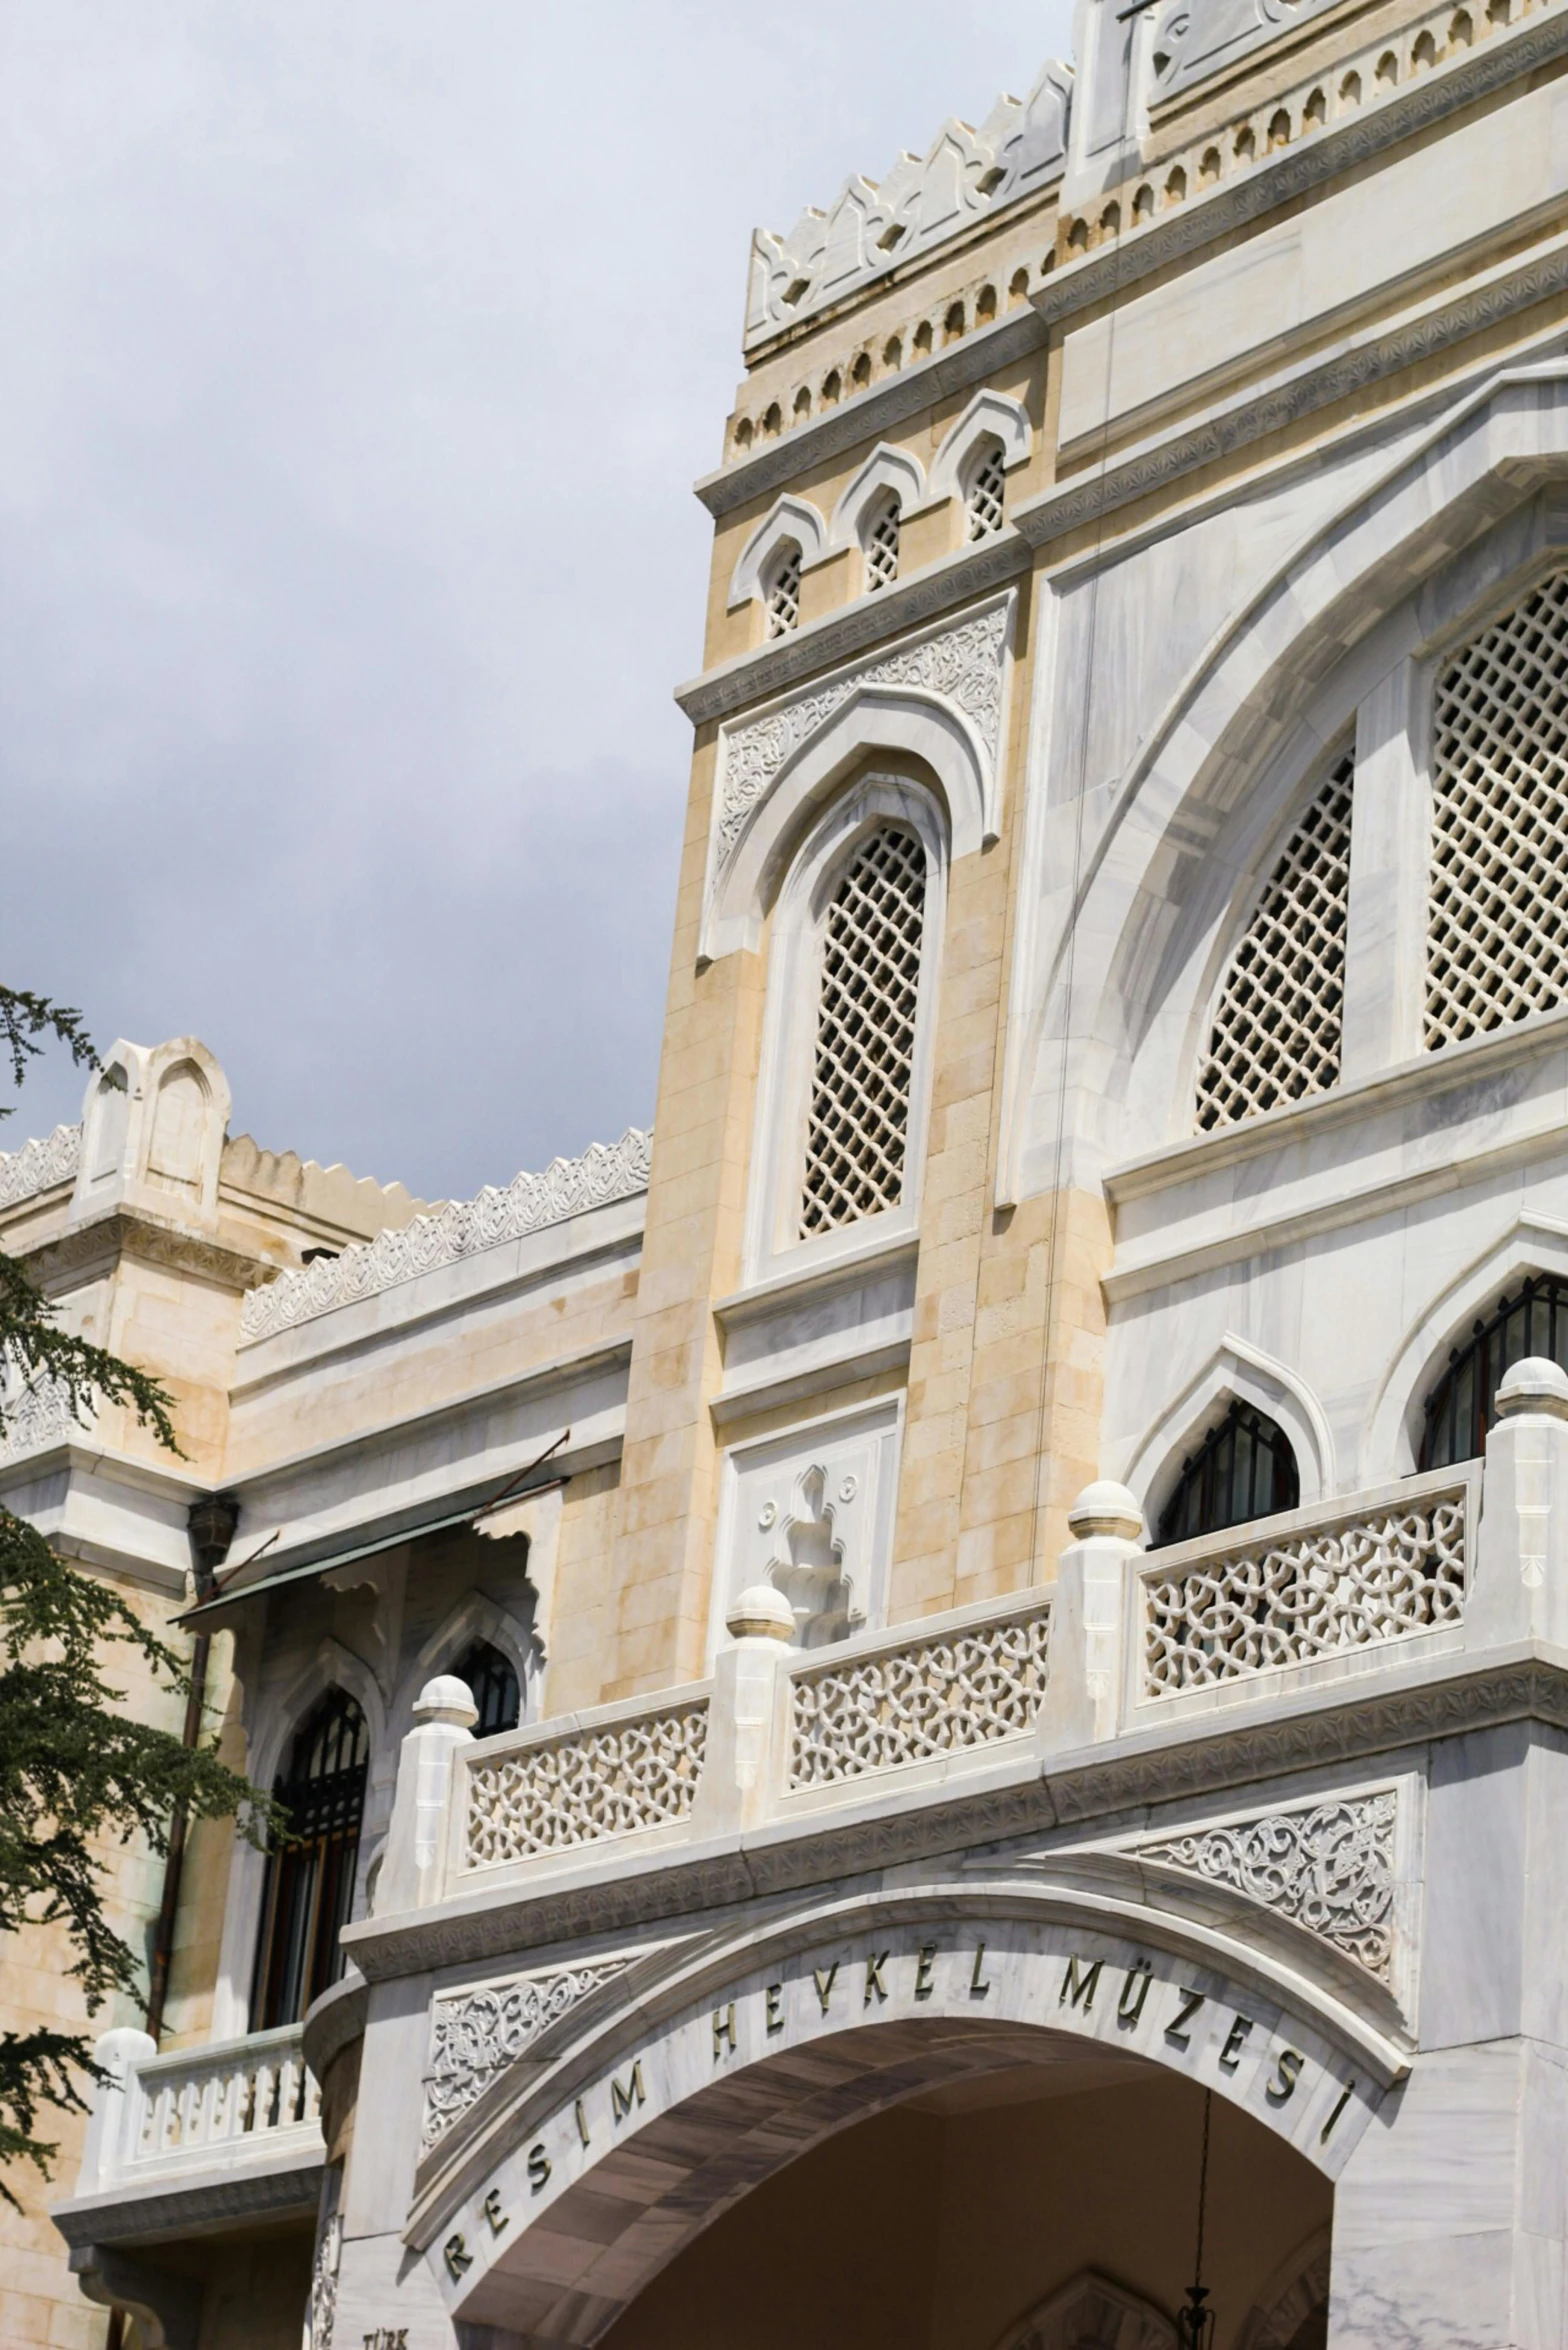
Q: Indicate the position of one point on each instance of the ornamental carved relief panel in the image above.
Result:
(476, 2035)
(1328, 1867)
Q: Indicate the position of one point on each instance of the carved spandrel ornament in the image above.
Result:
(1329, 1868)
(964, 664)
(1195, 38)
(476, 2035)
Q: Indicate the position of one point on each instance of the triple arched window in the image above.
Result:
(1496, 938)
(309, 1888)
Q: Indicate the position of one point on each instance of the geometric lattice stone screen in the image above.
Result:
(865, 1044)
(1277, 1029)
(1497, 928)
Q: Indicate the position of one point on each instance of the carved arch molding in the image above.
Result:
(682, 2067)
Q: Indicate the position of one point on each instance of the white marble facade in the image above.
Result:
(1281, 1814)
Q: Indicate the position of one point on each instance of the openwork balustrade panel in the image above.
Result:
(1498, 942)
(249, 2091)
(583, 1788)
(931, 1697)
(1320, 1593)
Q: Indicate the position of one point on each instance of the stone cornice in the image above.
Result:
(1111, 271)
(1350, 367)
(1345, 1721)
(125, 1232)
(953, 579)
(871, 414)
(181, 2206)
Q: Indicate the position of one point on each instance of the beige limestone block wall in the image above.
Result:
(40, 2302)
(691, 1255)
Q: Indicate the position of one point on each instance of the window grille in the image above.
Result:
(784, 593)
(987, 491)
(493, 1682)
(881, 544)
(1277, 1030)
(1243, 1469)
(865, 1034)
(310, 1879)
(1463, 1404)
(1497, 937)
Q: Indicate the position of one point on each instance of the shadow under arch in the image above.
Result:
(686, 2081)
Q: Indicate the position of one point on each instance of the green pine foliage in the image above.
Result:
(76, 1770)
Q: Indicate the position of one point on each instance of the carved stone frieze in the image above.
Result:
(964, 177)
(964, 664)
(40, 1164)
(1329, 1868)
(37, 1415)
(476, 2035)
(568, 1187)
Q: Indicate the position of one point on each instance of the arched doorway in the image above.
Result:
(1039, 2206)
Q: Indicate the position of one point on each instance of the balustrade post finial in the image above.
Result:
(1521, 1576)
(1083, 1694)
(745, 1716)
(104, 2148)
(444, 1715)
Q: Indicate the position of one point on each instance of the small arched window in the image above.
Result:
(782, 596)
(494, 1684)
(1463, 1404)
(310, 1879)
(879, 541)
(864, 1059)
(1243, 1469)
(985, 497)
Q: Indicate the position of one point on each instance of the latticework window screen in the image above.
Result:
(1277, 1030)
(859, 1121)
(784, 592)
(881, 543)
(987, 492)
(1497, 927)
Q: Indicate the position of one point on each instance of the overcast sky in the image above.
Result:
(357, 358)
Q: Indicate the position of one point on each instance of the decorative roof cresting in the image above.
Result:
(47, 1160)
(568, 1187)
(874, 226)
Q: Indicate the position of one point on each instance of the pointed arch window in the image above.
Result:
(865, 1043)
(782, 599)
(1532, 1320)
(1244, 1469)
(1497, 939)
(496, 1692)
(1277, 1025)
(879, 541)
(986, 497)
(309, 1888)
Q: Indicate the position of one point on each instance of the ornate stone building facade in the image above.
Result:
(934, 1706)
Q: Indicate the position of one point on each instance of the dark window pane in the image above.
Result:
(1243, 1469)
(490, 1676)
(1463, 1404)
(310, 1878)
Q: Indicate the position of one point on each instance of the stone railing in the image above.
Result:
(39, 1165)
(616, 1777)
(568, 1187)
(1313, 1585)
(198, 2108)
(964, 1682)
(1300, 1611)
